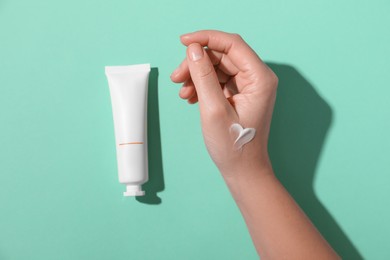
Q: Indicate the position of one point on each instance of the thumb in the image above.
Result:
(204, 77)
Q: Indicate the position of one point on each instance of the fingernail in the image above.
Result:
(195, 51)
(185, 35)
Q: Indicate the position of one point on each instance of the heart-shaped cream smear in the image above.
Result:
(244, 135)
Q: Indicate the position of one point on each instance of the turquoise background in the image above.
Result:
(59, 193)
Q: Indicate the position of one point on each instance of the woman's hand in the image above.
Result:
(232, 85)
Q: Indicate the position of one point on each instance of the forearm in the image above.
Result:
(279, 228)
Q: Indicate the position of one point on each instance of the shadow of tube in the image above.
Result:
(155, 183)
(299, 127)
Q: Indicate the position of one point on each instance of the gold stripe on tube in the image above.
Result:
(132, 143)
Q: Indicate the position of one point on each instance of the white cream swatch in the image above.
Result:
(244, 135)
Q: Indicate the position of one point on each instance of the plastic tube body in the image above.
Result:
(128, 89)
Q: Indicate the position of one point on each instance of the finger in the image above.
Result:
(240, 54)
(187, 90)
(218, 59)
(222, 77)
(227, 93)
(204, 77)
(193, 99)
(182, 73)
(223, 62)
(231, 86)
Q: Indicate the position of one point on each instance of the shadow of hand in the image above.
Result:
(300, 123)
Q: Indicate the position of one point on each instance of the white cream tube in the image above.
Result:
(129, 91)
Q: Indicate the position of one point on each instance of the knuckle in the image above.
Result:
(237, 40)
(274, 80)
(217, 112)
(269, 85)
(237, 37)
(271, 80)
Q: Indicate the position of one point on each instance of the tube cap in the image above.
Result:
(133, 190)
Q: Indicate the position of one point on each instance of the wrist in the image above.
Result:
(246, 165)
(248, 181)
(246, 172)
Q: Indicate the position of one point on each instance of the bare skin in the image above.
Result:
(233, 85)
